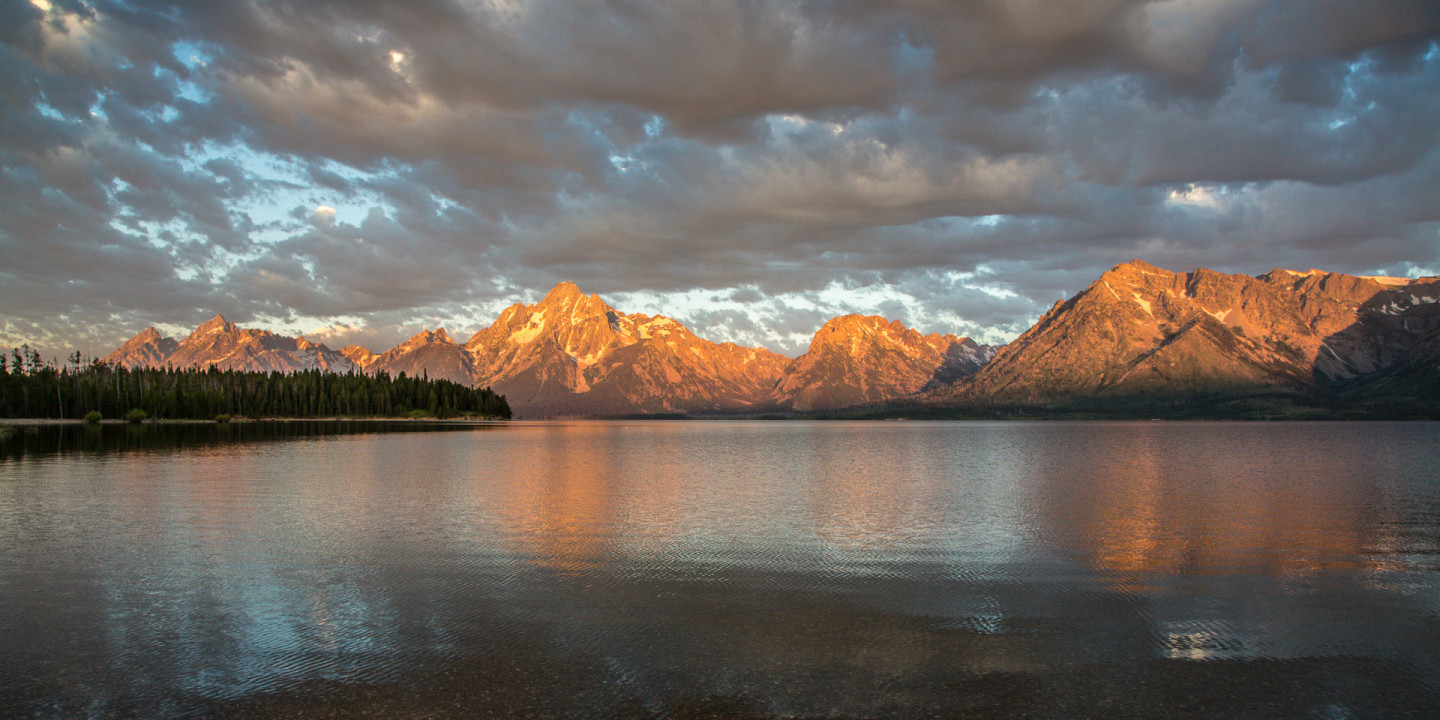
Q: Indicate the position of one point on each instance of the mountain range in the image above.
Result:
(571, 354)
(1139, 337)
(222, 343)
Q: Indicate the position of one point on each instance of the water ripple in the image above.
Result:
(737, 569)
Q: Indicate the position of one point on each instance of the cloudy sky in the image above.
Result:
(357, 170)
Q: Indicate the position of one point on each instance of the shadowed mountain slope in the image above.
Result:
(1410, 386)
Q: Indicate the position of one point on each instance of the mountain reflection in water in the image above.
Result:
(729, 569)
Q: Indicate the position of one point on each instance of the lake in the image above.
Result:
(722, 569)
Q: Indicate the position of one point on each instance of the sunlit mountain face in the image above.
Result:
(354, 175)
(1139, 333)
(573, 354)
(1139, 337)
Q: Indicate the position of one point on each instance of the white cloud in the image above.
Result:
(1198, 195)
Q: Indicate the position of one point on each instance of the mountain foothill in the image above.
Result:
(1140, 340)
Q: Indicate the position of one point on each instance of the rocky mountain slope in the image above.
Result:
(360, 356)
(572, 354)
(227, 346)
(1141, 330)
(148, 349)
(854, 360)
(429, 353)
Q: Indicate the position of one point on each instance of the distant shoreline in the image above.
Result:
(1059, 417)
(29, 422)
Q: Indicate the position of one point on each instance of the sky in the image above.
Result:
(360, 170)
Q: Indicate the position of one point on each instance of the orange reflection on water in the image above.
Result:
(1145, 512)
(560, 505)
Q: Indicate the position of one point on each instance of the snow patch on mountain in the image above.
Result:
(530, 330)
(1142, 302)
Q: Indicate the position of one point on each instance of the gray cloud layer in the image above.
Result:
(749, 167)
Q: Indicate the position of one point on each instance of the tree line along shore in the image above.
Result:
(33, 388)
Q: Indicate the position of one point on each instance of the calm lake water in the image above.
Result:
(722, 569)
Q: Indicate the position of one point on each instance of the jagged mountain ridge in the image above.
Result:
(227, 346)
(1139, 330)
(571, 354)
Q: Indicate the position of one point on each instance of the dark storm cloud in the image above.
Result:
(750, 167)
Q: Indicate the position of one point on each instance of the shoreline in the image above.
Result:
(45, 422)
(56, 422)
